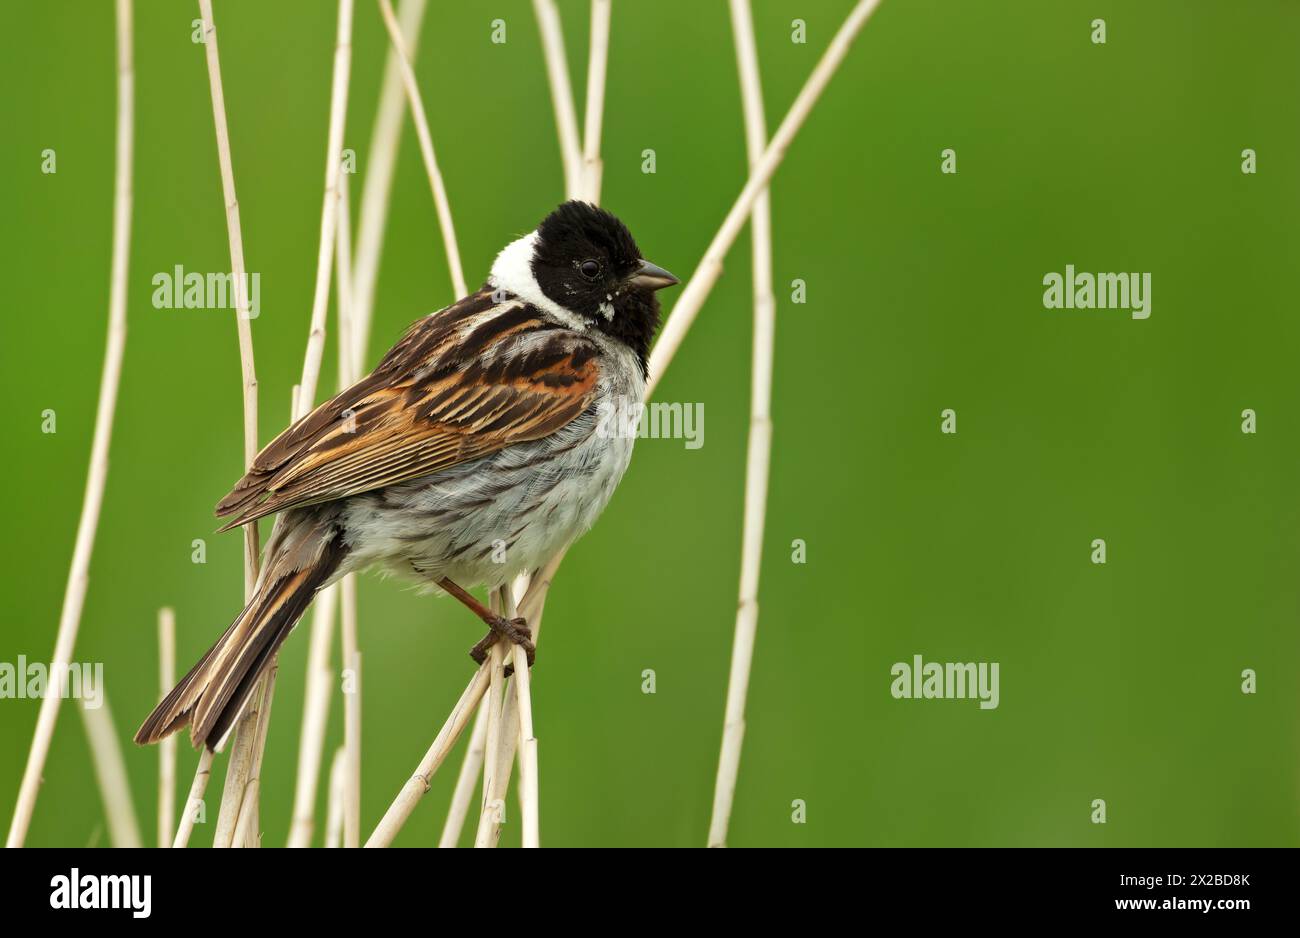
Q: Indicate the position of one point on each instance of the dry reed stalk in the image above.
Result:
(74, 595)
(531, 608)
(495, 782)
(334, 809)
(343, 287)
(582, 180)
(263, 727)
(511, 726)
(426, 150)
(371, 234)
(498, 755)
(466, 781)
(680, 321)
(228, 814)
(194, 800)
(329, 211)
(418, 785)
(710, 267)
(557, 75)
(760, 433)
(529, 796)
(238, 770)
(597, 63)
(166, 748)
(244, 767)
(246, 827)
(235, 234)
(587, 176)
(319, 689)
(380, 160)
(352, 742)
(319, 676)
(348, 586)
(110, 774)
(245, 770)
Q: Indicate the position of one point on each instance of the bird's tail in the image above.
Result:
(300, 560)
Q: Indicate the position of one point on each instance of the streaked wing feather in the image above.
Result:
(460, 384)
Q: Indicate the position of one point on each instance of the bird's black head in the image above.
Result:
(585, 261)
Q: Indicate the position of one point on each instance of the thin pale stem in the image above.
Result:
(418, 785)
(499, 759)
(110, 774)
(697, 290)
(426, 149)
(348, 587)
(74, 595)
(234, 232)
(167, 747)
(244, 767)
(557, 74)
(380, 160)
(329, 211)
(319, 677)
(597, 64)
(246, 770)
(316, 712)
(319, 690)
(531, 608)
(194, 800)
(238, 770)
(466, 782)
(710, 268)
(334, 810)
(352, 738)
(493, 805)
(263, 728)
(760, 434)
(529, 799)
(233, 794)
(583, 171)
(343, 286)
(246, 827)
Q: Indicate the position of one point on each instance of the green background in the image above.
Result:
(924, 292)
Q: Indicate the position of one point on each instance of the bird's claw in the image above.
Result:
(515, 631)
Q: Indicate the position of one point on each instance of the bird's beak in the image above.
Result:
(650, 277)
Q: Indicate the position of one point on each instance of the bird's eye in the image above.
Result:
(589, 269)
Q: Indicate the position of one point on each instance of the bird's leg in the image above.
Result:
(514, 630)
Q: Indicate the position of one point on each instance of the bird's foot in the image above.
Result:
(515, 631)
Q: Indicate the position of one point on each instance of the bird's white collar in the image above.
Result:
(513, 271)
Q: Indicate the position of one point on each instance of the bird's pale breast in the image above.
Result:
(484, 521)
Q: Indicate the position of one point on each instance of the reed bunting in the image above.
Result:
(470, 454)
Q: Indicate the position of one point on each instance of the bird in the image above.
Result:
(474, 451)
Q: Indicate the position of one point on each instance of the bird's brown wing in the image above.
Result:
(461, 383)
